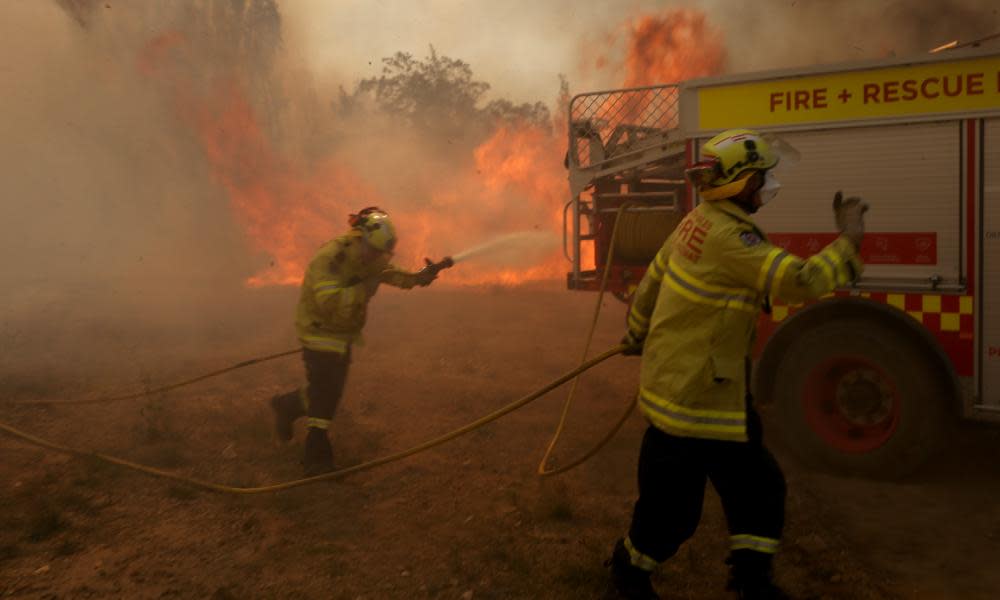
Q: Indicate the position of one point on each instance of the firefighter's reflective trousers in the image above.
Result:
(672, 475)
(326, 373)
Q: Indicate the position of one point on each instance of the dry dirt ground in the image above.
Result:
(469, 519)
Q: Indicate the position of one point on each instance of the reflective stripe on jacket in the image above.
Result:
(335, 291)
(697, 308)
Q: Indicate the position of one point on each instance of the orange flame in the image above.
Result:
(671, 47)
(286, 213)
(518, 183)
(527, 161)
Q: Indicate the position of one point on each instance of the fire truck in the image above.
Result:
(869, 380)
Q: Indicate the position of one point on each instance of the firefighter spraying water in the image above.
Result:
(338, 284)
(341, 279)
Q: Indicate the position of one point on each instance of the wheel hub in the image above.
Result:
(863, 398)
(851, 402)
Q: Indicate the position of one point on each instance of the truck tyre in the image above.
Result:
(856, 396)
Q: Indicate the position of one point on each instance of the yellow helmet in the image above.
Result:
(730, 158)
(376, 228)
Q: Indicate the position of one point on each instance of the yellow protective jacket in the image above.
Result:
(335, 292)
(697, 309)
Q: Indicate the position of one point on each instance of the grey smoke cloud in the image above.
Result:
(110, 225)
(522, 46)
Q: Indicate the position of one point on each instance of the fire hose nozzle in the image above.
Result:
(431, 269)
(437, 267)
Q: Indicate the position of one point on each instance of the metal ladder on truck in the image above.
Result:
(624, 147)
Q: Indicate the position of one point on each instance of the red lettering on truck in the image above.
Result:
(819, 98)
(890, 91)
(871, 92)
(923, 88)
(974, 83)
(776, 100)
(798, 100)
(801, 99)
(949, 90)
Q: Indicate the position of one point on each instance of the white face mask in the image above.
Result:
(770, 188)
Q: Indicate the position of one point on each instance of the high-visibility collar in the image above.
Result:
(730, 208)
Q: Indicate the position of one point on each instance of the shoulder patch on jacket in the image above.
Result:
(750, 239)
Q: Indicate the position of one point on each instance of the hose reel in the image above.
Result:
(641, 233)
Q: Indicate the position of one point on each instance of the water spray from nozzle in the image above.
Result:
(511, 247)
(529, 241)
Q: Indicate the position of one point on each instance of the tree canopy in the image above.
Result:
(440, 97)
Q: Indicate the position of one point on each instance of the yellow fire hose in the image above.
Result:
(166, 388)
(543, 469)
(226, 489)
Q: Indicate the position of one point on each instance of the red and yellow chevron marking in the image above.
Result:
(948, 317)
(937, 312)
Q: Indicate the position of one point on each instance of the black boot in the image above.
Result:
(628, 582)
(319, 455)
(750, 577)
(287, 408)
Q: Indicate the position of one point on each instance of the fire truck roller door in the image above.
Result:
(989, 391)
(909, 173)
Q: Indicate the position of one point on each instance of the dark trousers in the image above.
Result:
(326, 373)
(672, 475)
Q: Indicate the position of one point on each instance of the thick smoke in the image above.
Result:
(114, 235)
(521, 46)
(787, 33)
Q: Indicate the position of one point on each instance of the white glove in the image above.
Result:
(850, 217)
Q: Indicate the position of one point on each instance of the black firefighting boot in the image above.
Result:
(628, 582)
(319, 455)
(287, 408)
(750, 576)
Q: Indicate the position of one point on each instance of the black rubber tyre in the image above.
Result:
(854, 396)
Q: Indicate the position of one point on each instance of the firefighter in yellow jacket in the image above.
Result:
(693, 321)
(340, 280)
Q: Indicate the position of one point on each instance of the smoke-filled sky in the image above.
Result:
(522, 45)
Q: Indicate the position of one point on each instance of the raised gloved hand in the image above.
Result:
(633, 346)
(850, 217)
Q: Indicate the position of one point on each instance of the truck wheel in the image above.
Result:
(855, 396)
